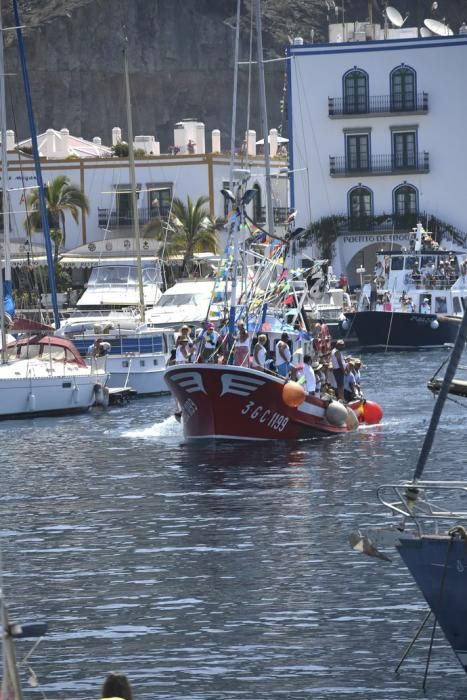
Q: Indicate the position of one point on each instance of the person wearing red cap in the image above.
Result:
(211, 339)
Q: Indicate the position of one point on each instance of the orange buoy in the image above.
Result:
(293, 394)
(368, 412)
(372, 412)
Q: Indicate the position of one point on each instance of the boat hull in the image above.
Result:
(143, 373)
(239, 403)
(39, 396)
(403, 330)
(439, 566)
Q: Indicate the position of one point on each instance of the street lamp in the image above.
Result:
(27, 247)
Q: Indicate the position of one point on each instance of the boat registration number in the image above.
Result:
(271, 419)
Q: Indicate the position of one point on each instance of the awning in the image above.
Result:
(280, 139)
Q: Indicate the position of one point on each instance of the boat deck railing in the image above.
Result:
(424, 503)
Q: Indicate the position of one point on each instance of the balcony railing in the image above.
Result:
(339, 166)
(281, 215)
(112, 218)
(377, 105)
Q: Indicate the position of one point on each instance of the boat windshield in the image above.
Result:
(107, 275)
(182, 300)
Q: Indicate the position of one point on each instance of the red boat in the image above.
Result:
(241, 403)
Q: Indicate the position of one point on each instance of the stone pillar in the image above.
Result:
(273, 142)
(116, 135)
(251, 142)
(10, 140)
(64, 143)
(216, 141)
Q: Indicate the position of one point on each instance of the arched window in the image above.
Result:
(405, 206)
(258, 215)
(356, 91)
(360, 208)
(403, 89)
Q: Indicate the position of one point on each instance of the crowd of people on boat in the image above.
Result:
(321, 368)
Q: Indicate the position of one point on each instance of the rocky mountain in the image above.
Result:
(181, 59)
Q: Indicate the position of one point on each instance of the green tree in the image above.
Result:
(60, 196)
(190, 230)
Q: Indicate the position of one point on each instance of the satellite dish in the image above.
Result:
(425, 32)
(394, 16)
(450, 32)
(436, 27)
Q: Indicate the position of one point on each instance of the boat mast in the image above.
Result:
(6, 217)
(264, 118)
(134, 203)
(234, 104)
(37, 166)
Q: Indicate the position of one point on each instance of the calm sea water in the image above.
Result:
(221, 572)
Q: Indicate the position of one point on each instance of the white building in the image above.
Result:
(105, 180)
(378, 136)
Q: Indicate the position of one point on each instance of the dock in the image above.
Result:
(120, 395)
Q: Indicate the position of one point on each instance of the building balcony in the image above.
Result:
(340, 166)
(114, 218)
(376, 105)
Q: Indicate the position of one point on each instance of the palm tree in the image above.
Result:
(60, 196)
(191, 229)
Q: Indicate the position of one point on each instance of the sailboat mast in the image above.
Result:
(134, 203)
(37, 166)
(6, 218)
(264, 118)
(234, 103)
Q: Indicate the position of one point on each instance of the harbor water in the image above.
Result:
(221, 572)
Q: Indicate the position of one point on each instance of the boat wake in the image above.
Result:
(169, 429)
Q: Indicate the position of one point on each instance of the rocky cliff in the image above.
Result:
(180, 55)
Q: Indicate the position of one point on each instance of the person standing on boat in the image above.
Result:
(350, 383)
(259, 353)
(308, 373)
(211, 339)
(338, 367)
(283, 356)
(242, 346)
(425, 306)
(117, 685)
(183, 351)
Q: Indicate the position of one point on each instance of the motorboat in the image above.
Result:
(189, 302)
(135, 358)
(111, 300)
(415, 299)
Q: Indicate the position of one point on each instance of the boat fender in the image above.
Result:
(345, 325)
(352, 420)
(101, 395)
(336, 414)
(31, 401)
(293, 394)
(434, 325)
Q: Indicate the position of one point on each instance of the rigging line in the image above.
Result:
(437, 410)
(248, 104)
(266, 60)
(409, 647)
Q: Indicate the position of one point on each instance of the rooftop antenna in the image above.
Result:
(395, 17)
(436, 27)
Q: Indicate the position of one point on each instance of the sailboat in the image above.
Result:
(238, 402)
(431, 533)
(40, 374)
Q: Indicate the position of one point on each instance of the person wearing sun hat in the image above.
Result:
(338, 367)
